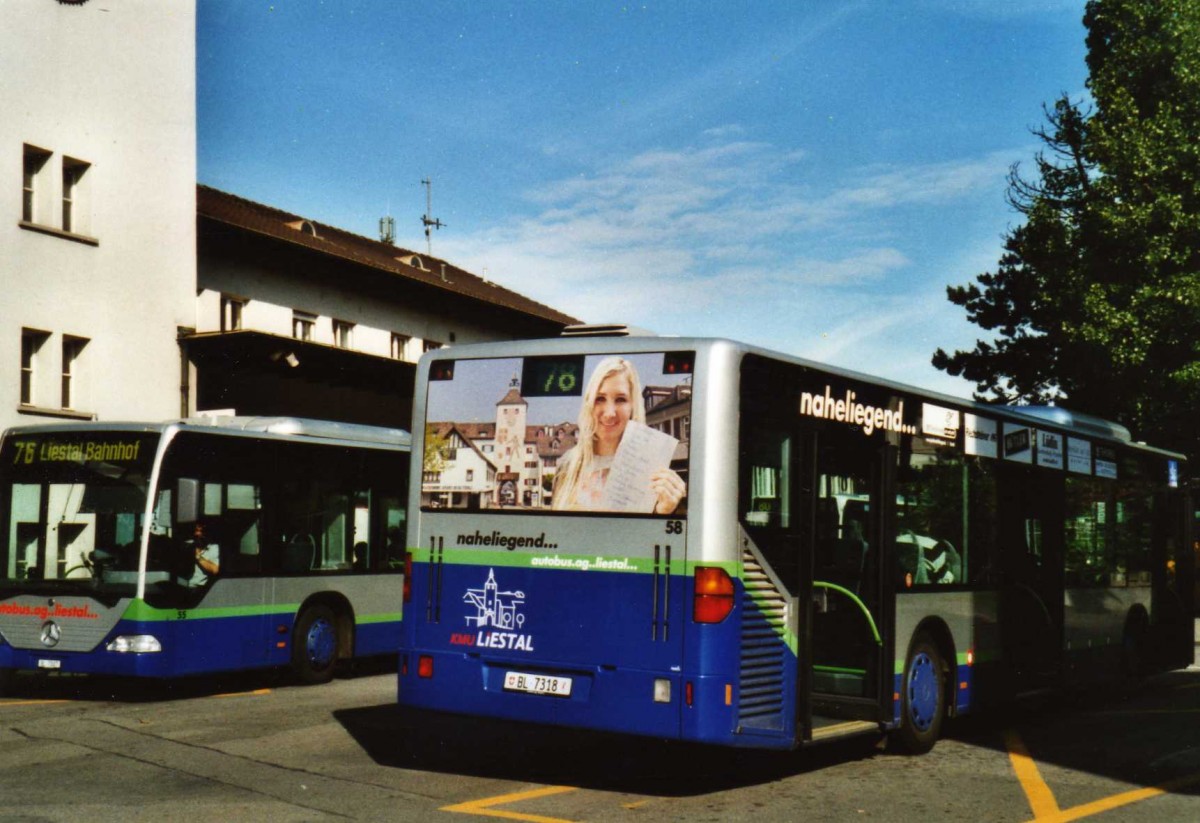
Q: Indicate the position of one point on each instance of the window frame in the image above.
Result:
(72, 350)
(232, 309)
(35, 164)
(343, 333)
(304, 325)
(32, 343)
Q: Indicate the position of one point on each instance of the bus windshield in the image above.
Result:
(564, 433)
(72, 506)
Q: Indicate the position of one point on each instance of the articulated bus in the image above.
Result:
(705, 541)
(199, 546)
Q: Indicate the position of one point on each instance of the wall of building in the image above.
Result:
(111, 85)
(274, 295)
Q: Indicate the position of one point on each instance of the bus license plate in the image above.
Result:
(537, 684)
(49, 664)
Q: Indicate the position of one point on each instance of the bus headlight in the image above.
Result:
(134, 644)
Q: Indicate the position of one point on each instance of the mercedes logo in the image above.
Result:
(51, 633)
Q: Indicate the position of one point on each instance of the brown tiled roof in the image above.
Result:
(247, 215)
(552, 441)
(513, 398)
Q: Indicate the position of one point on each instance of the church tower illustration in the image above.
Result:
(494, 607)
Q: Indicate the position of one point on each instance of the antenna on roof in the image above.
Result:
(427, 221)
(387, 230)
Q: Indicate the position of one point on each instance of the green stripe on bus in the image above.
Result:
(565, 561)
(838, 670)
(386, 617)
(141, 611)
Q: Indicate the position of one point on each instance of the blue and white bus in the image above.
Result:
(702, 540)
(191, 547)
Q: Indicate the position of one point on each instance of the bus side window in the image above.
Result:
(931, 538)
(360, 558)
(394, 520)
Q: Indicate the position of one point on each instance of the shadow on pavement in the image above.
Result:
(101, 688)
(398, 737)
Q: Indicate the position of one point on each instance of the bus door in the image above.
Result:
(842, 662)
(1031, 602)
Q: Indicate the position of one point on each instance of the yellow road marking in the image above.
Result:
(484, 806)
(1045, 807)
(1115, 801)
(4, 703)
(255, 693)
(1041, 799)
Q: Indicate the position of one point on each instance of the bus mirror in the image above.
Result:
(187, 500)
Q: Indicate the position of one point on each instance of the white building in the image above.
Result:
(294, 316)
(131, 293)
(98, 217)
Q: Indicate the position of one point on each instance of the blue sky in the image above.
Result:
(808, 176)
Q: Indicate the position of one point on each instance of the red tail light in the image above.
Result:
(424, 666)
(407, 576)
(713, 600)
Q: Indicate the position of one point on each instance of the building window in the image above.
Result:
(430, 345)
(303, 325)
(399, 346)
(74, 212)
(470, 475)
(231, 312)
(343, 334)
(33, 184)
(72, 349)
(31, 345)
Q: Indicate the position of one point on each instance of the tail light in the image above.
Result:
(713, 599)
(407, 576)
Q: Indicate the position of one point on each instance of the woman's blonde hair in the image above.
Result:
(576, 462)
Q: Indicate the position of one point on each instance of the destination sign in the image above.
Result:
(28, 452)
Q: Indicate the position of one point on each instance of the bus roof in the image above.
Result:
(284, 427)
(608, 341)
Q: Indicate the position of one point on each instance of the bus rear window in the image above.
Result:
(574, 433)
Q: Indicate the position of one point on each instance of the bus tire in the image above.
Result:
(6, 678)
(922, 697)
(315, 645)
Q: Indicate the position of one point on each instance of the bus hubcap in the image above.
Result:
(922, 691)
(321, 643)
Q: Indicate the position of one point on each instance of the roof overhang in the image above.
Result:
(256, 351)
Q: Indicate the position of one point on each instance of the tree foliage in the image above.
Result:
(1095, 302)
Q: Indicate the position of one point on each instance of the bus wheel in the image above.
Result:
(6, 676)
(315, 645)
(922, 697)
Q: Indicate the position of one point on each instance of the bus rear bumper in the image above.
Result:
(603, 698)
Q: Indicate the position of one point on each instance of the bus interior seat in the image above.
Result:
(299, 553)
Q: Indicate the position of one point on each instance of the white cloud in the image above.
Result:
(727, 240)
